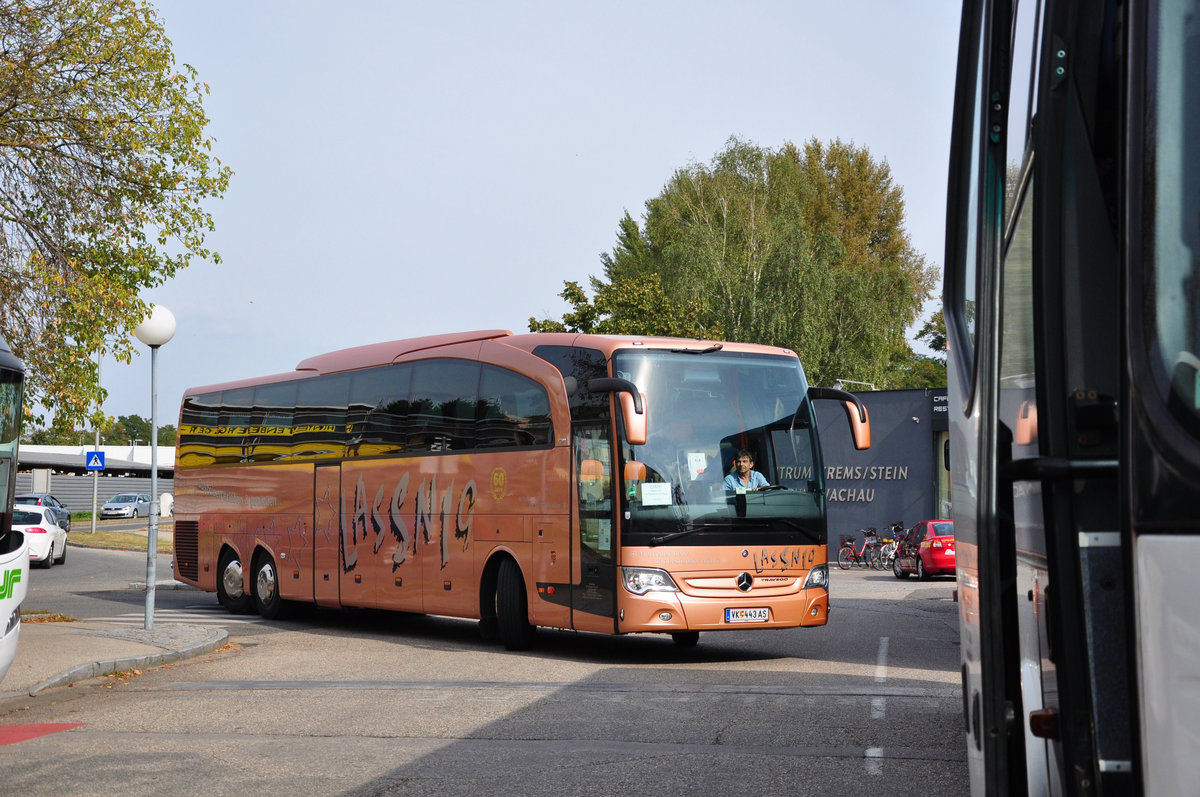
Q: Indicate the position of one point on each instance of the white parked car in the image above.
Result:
(46, 539)
(126, 505)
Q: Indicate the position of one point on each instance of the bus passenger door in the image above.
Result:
(326, 533)
(593, 564)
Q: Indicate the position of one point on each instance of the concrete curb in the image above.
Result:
(200, 640)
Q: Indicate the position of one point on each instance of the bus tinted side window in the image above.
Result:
(427, 406)
(583, 364)
(270, 431)
(444, 393)
(319, 429)
(513, 410)
(379, 410)
(198, 422)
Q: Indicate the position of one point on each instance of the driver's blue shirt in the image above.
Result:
(757, 480)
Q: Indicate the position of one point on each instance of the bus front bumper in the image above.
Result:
(671, 612)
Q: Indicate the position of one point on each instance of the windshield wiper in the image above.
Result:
(660, 539)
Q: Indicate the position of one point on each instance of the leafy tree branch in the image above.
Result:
(104, 175)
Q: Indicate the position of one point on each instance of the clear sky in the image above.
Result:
(410, 168)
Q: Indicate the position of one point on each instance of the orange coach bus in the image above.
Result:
(558, 480)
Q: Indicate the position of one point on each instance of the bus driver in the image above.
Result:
(744, 477)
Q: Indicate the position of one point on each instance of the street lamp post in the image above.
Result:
(154, 331)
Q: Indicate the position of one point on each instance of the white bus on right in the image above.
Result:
(1072, 308)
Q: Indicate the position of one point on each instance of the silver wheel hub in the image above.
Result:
(232, 579)
(265, 583)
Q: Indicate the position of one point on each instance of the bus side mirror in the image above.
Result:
(856, 413)
(633, 405)
(635, 423)
(1026, 432)
(591, 470)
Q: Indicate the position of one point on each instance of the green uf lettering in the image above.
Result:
(11, 579)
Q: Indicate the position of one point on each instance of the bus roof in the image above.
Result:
(388, 352)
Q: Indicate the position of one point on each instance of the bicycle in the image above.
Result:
(866, 556)
(890, 543)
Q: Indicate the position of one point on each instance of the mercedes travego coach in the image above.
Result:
(558, 480)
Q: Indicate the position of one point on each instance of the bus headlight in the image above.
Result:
(817, 577)
(640, 580)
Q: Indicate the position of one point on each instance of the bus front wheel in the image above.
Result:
(230, 591)
(686, 639)
(512, 608)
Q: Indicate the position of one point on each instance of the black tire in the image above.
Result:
(845, 558)
(48, 562)
(921, 574)
(686, 639)
(230, 591)
(896, 568)
(512, 608)
(265, 586)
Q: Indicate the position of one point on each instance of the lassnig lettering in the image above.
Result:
(9, 582)
(766, 559)
(433, 521)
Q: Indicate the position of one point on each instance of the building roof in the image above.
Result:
(71, 459)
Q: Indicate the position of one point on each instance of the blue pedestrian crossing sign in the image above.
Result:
(94, 460)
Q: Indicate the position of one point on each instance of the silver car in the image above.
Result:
(126, 505)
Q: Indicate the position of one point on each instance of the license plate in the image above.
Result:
(759, 614)
(950, 552)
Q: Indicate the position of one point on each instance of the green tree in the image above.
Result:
(933, 332)
(802, 248)
(925, 371)
(104, 172)
(53, 437)
(126, 430)
(130, 428)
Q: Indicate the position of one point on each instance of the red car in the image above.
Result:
(927, 549)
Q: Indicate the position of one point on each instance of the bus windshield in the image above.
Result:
(703, 409)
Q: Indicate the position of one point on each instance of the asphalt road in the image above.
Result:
(380, 703)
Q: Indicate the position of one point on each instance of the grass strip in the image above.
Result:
(121, 540)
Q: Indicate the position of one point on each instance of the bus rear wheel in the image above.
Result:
(512, 608)
(230, 591)
(266, 588)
